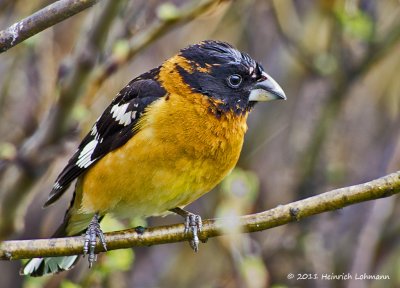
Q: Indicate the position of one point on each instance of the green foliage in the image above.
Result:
(69, 284)
(80, 113)
(325, 63)
(7, 150)
(253, 270)
(117, 260)
(167, 11)
(35, 282)
(121, 49)
(356, 23)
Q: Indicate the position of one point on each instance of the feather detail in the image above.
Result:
(112, 129)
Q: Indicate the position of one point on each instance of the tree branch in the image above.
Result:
(41, 20)
(283, 214)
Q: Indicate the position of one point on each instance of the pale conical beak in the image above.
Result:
(266, 90)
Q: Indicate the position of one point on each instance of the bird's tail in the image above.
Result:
(37, 267)
(74, 224)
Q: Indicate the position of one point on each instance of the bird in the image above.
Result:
(169, 136)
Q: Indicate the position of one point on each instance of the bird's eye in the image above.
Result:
(234, 80)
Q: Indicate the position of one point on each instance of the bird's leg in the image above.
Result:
(193, 224)
(92, 232)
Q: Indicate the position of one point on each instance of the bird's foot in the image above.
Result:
(92, 232)
(193, 226)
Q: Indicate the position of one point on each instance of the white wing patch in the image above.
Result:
(120, 114)
(94, 130)
(85, 157)
(33, 265)
(57, 186)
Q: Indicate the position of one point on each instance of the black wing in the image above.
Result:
(112, 130)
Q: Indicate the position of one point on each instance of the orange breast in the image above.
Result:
(180, 152)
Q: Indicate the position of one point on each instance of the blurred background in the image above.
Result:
(338, 62)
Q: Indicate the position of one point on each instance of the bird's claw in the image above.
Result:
(193, 225)
(92, 232)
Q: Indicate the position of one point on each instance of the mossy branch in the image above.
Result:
(41, 20)
(283, 214)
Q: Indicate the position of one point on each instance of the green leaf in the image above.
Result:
(254, 271)
(7, 151)
(325, 63)
(35, 282)
(69, 284)
(121, 49)
(167, 11)
(118, 260)
(80, 112)
(356, 23)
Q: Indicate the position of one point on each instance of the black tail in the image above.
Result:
(37, 267)
(74, 224)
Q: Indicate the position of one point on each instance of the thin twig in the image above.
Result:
(332, 200)
(300, 54)
(335, 101)
(155, 30)
(41, 20)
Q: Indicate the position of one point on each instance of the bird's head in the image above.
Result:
(232, 79)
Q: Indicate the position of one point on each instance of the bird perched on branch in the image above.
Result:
(170, 136)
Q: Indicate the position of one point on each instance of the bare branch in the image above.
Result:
(41, 20)
(283, 214)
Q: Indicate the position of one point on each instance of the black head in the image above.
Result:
(231, 77)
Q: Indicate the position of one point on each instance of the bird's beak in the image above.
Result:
(266, 90)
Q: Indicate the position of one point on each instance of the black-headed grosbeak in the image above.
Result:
(170, 136)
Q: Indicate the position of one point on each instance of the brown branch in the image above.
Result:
(283, 214)
(41, 20)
